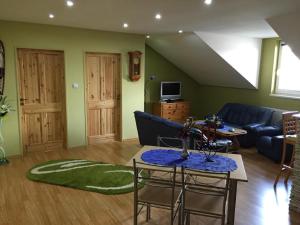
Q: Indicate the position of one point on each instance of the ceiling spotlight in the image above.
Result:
(158, 16)
(51, 16)
(207, 2)
(125, 25)
(70, 3)
(147, 36)
(180, 31)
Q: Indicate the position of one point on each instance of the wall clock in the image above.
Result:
(2, 67)
(135, 65)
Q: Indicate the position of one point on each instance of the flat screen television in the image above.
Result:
(170, 90)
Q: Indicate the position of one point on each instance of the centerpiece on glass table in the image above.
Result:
(214, 120)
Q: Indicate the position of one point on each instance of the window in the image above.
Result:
(288, 73)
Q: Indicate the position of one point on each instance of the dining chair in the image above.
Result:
(211, 140)
(156, 192)
(289, 126)
(174, 142)
(203, 194)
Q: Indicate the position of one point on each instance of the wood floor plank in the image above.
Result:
(24, 202)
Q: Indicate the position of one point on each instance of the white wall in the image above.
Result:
(242, 53)
(288, 29)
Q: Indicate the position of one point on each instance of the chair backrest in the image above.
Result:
(289, 123)
(144, 175)
(150, 126)
(169, 142)
(206, 183)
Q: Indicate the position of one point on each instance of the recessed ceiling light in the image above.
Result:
(207, 2)
(180, 31)
(51, 16)
(158, 16)
(125, 25)
(147, 36)
(70, 3)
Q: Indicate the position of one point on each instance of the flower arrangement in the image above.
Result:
(4, 106)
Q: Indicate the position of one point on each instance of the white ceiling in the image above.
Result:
(243, 17)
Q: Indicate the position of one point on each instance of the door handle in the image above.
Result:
(22, 100)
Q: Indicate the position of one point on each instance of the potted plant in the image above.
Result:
(5, 108)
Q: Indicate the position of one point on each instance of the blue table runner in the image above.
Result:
(195, 161)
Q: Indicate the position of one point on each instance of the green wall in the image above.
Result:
(212, 98)
(166, 71)
(209, 99)
(74, 43)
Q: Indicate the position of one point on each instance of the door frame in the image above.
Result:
(120, 131)
(19, 108)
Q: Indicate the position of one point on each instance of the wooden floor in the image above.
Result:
(23, 202)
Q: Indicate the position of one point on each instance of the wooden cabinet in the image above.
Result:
(175, 111)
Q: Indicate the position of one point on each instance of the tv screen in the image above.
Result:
(170, 90)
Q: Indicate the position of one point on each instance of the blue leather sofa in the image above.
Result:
(269, 138)
(150, 127)
(247, 117)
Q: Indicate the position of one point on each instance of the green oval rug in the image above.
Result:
(85, 175)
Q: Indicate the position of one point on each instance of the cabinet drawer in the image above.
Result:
(173, 112)
(168, 106)
(182, 106)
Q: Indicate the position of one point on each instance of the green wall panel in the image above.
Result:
(74, 42)
(166, 71)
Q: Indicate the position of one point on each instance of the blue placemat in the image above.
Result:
(195, 161)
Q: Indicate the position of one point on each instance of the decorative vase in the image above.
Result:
(185, 144)
(2, 150)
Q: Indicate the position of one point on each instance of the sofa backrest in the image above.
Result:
(276, 120)
(243, 114)
(150, 127)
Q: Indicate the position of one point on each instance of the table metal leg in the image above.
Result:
(231, 202)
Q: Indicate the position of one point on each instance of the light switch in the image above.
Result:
(75, 85)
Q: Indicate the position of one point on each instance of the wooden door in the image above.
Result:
(42, 99)
(103, 97)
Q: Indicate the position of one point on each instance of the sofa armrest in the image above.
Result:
(267, 131)
(253, 126)
(277, 140)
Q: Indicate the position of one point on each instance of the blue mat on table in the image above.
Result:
(195, 161)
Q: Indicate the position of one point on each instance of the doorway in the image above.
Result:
(42, 99)
(103, 75)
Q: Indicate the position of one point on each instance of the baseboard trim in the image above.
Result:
(18, 156)
(76, 147)
(130, 139)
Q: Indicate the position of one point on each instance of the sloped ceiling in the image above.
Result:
(242, 53)
(287, 27)
(191, 54)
